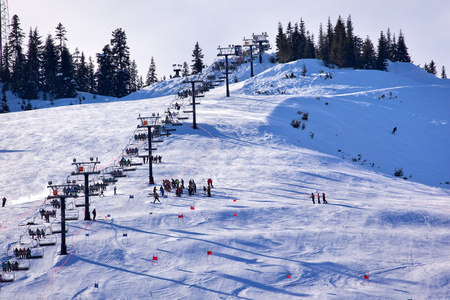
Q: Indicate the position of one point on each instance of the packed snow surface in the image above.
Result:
(258, 236)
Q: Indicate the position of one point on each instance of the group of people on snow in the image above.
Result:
(312, 197)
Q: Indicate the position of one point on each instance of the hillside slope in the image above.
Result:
(265, 238)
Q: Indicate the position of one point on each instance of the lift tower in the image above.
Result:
(226, 51)
(194, 119)
(249, 43)
(58, 193)
(86, 169)
(4, 26)
(262, 42)
(154, 129)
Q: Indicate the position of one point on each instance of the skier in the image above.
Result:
(312, 197)
(115, 190)
(3, 201)
(208, 190)
(94, 214)
(161, 190)
(323, 198)
(155, 195)
(210, 184)
(318, 197)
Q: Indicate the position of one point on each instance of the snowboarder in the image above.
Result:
(312, 197)
(155, 195)
(3, 201)
(323, 198)
(394, 130)
(94, 214)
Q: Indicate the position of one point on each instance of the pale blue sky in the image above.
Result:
(169, 29)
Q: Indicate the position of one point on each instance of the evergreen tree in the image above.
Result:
(351, 50)
(368, 57)
(15, 40)
(66, 85)
(197, 66)
(134, 77)
(185, 70)
(295, 43)
(151, 74)
(31, 73)
(337, 54)
(401, 53)
(443, 74)
(50, 68)
(383, 52)
(431, 68)
(328, 42)
(5, 75)
(121, 63)
(92, 88)
(321, 44)
(105, 73)
(289, 46)
(283, 54)
(81, 74)
(4, 108)
(61, 37)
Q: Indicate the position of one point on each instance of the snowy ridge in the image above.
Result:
(272, 242)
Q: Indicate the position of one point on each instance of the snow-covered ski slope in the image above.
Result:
(271, 242)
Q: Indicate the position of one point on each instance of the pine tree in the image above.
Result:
(50, 68)
(283, 54)
(368, 57)
(350, 48)
(5, 74)
(151, 74)
(31, 74)
(185, 70)
(443, 74)
(66, 85)
(383, 52)
(197, 66)
(4, 108)
(401, 51)
(61, 37)
(81, 74)
(15, 40)
(337, 55)
(121, 63)
(92, 87)
(431, 68)
(134, 77)
(105, 73)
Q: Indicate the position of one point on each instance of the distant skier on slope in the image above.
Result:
(156, 196)
(323, 198)
(312, 198)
